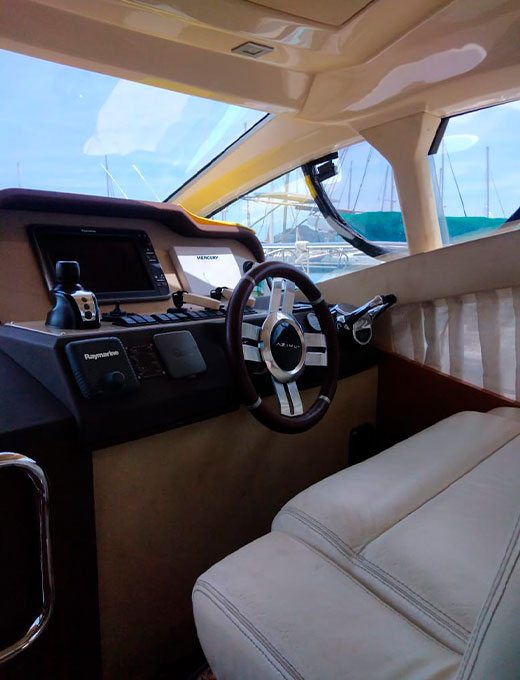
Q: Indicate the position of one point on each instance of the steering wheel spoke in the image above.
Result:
(315, 340)
(275, 300)
(250, 331)
(288, 297)
(252, 353)
(288, 397)
(282, 296)
(316, 359)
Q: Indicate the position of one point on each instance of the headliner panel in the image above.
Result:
(331, 13)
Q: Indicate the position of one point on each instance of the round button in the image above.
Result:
(85, 306)
(84, 299)
(88, 315)
(114, 381)
(286, 346)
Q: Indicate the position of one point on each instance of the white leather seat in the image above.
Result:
(381, 570)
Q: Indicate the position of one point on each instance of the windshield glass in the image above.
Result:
(65, 129)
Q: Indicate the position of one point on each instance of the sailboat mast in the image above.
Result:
(107, 175)
(349, 185)
(487, 182)
(285, 207)
(441, 191)
(384, 189)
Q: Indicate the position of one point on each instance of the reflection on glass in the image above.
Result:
(65, 129)
(292, 229)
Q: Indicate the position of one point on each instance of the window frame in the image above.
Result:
(435, 146)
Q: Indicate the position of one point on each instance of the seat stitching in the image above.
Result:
(347, 551)
(455, 623)
(226, 614)
(512, 543)
(375, 597)
(489, 621)
(240, 617)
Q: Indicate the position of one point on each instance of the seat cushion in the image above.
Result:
(361, 502)
(424, 523)
(279, 608)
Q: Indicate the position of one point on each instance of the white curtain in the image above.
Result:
(475, 337)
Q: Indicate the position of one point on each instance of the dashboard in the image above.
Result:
(149, 366)
(135, 254)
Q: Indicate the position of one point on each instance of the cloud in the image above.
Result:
(134, 117)
(454, 143)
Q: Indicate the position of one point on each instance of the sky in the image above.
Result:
(57, 124)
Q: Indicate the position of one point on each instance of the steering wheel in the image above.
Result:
(282, 346)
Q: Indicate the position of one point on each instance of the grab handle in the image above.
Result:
(39, 481)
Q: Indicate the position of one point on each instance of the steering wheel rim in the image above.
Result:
(235, 352)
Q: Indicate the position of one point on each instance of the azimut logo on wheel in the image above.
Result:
(286, 346)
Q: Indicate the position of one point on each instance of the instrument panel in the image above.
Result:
(26, 272)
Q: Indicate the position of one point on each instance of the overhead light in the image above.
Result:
(251, 49)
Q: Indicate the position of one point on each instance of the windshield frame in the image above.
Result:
(230, 147)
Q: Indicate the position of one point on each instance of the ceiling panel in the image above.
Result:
(332, 12)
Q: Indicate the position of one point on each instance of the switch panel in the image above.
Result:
(101, 367)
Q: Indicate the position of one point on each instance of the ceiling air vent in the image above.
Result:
(251, 49)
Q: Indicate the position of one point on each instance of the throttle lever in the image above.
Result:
(377, 311)
(373, 308)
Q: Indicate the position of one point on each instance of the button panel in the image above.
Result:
(181, 315)
(86, 305)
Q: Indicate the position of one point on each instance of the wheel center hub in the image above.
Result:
(286, 346)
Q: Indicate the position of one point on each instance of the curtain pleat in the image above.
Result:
(473, 337)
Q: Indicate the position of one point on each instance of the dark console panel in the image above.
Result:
(126, 382)
(115, 382)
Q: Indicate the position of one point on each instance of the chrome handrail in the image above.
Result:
(39, 480)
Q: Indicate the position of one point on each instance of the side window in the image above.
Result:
(364, 194)
(475, 172)
(292, 229)
(282, 212)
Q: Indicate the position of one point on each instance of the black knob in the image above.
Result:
(67, 272)
(114, 381)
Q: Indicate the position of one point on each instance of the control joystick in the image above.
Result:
(74, 306)
(67, 275)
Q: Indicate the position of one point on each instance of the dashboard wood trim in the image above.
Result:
(172, 216)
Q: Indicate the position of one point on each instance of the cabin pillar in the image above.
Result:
(405, 143)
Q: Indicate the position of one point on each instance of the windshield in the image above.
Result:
(65, 129)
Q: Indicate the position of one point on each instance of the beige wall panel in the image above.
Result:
(169, 506)
(483, 264)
